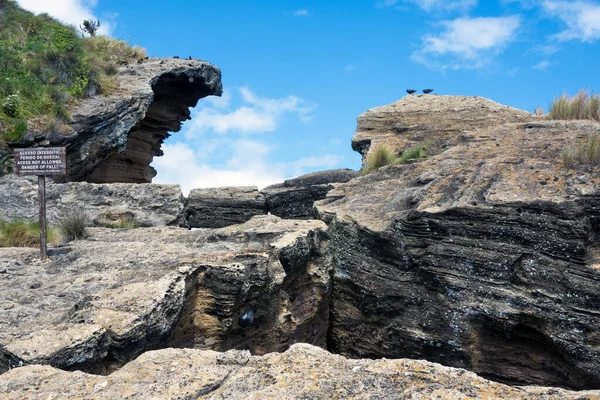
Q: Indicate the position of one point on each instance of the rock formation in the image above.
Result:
(102, 301)
(438, 121)
(104, 204)
(302, 372)
(224, 206)
(294, 198)
(481, 257)
(114, 138)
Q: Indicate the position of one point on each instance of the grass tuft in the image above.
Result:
(413, 153)
(20, 233)
(584, 105)
(588, 152)
(378, 157)
(72, 225)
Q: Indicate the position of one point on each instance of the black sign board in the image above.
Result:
(41, 161)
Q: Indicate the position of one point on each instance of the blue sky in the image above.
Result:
(297, 74)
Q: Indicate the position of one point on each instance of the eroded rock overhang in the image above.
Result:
(115, 138)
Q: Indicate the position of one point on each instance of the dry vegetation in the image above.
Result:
(383, 155)
(584, 105)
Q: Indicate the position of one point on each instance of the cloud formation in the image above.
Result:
(581, 17)
(247, 165)
(467, 43)
(255, 115)
(72, 12)
(436, 5)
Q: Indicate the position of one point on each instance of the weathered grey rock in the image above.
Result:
(114, 138)
(436, 121)
(294, 198)
(223, 206)
(302, 372)
(104, 204)
(102, 301)
(483, 257)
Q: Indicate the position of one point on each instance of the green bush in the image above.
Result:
(20, 233)
(584, 105)
(72, 225)
(413, 153)
(45, 66)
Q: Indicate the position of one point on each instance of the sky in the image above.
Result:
(297, 74)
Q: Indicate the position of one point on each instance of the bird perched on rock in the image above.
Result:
(410, 91)
(427, 91)
(247, 318)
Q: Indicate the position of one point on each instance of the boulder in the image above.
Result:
(104, 204)
(438, 122)
(114, 138)
(223, 206)
(302, 372)
(483, 257)
(294, 198)
(98, 303)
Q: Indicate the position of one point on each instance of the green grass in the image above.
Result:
(20, 233)
(383, 155)
(584, 105)
(45, 66)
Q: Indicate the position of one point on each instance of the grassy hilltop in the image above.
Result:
(45, 66)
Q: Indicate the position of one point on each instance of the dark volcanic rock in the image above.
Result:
(114, 138)
(224, 206)
(294, 198)
(104, 204)
(98, 303)
(483, 257)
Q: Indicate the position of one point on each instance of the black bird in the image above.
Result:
(247, 318)
(427, 91)
(410, 91)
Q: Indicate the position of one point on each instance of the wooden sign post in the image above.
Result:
(41, 161)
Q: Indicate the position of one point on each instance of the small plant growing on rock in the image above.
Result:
(588, 152)
(378, 157)
(72, 225)
(414, 153)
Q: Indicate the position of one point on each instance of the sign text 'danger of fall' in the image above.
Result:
(41, 161)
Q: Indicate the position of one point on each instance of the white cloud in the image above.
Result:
(436, 5)
(72, 12)
(542, 65)
(582, 19)
(247, 165)
(256, 115)
(467, 42)
(301, 13)
(350, 68)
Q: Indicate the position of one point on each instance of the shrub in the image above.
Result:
(378, 157)
(583, 105)
(19, 233)
(72, 225)
(413, 153)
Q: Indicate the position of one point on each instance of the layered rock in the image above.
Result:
(114, 138)
(102, 301)
(483, 257)
(438, 122)
(302, 372)
(224, 206)
(294, 198)
(104, 204)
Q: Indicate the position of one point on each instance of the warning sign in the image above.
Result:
(41, 161)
